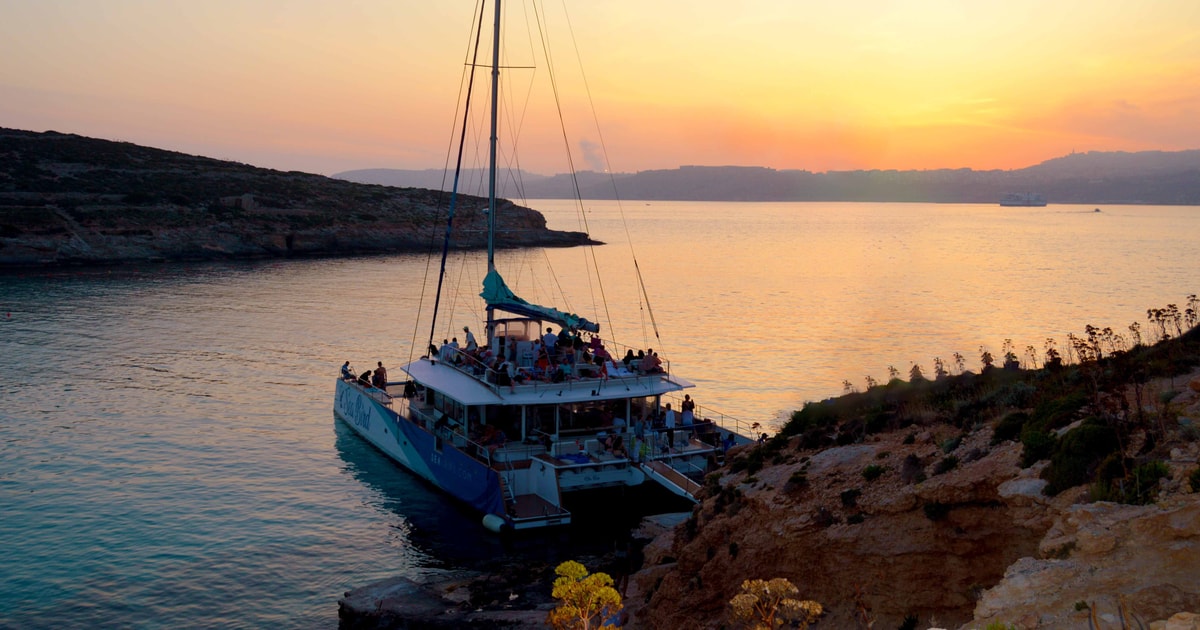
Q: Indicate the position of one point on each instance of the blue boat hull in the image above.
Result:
(435, 460)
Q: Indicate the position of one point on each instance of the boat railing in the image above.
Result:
(744, 432)
(378, 394)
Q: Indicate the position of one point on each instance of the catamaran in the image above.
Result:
(544, 406)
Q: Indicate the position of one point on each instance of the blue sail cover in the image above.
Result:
(497, 295)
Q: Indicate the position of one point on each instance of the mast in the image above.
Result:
(491, 242)
(494, 138)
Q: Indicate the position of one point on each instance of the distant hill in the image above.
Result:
(70, 199)
(1147, 177)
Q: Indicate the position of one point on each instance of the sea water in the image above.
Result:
(169, 456)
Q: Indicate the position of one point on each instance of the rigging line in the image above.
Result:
(612, 180)
(412, 344)
(592, 264)
(454, 195)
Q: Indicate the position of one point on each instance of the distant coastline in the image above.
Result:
(1146, 177)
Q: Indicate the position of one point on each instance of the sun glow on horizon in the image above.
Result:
(909, 84)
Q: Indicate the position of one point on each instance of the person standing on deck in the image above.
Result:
(472, 345)
(669, 425)
(688, 409)
(550, 340)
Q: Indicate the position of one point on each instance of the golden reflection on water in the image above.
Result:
(767, 305)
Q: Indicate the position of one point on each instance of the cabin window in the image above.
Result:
(539, 420)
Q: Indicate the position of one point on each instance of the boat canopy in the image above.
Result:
(497, 295)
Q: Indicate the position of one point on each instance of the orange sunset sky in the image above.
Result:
(790, 84)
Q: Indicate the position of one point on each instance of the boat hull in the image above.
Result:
(418, 450)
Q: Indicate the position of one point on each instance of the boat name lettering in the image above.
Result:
(354, 408)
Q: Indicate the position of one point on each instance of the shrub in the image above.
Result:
(1194, 480)
(850, 497)
(873, 472)
(798, 481)
(1145, 482)
(1077, 454)
(951, 444)
(910, 438)
(912, 471)
(763, 604)
(947, 464)
(854, 519)
(1038, 444)
(587, 600)
(1009, 427)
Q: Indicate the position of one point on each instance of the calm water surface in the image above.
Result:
(168, 454)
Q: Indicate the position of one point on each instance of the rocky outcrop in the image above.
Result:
(978, 543)
(856, 546)
(65, 199)
(1107, 562)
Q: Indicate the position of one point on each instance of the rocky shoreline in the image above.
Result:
(69, 200)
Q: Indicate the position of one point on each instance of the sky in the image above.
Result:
(324, 86)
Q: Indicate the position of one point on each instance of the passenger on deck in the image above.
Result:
(380, 378)
(669, 425)
(472, 345)
(364, 379)
(651, 364)
(728, 442)
(687, 409)
(550, 340)
(628, 357)
(347, 371)
(514, 375)
(616, 446)
(492, 438)
(445, 351)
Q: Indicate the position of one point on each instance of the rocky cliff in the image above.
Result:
(68, 199)
(886, 529)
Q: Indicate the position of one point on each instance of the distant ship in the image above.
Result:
(1023, 199)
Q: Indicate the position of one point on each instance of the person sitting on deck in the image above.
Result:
(493, 438)
(472, 345)
(615, 444)
(628, 358)
(364, 379)
(651, 364)
(728, 442)
(347, 371)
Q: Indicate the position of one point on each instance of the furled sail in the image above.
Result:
(497, 295)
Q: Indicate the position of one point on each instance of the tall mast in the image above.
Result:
(492, 150)
(491, 242)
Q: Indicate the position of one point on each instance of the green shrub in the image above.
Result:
(873, 472)
(1038, 443)
(949, 445)
(947, 464)
(1055, 413)
(1077, 455)
(1145, 482)
(1009, 427)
